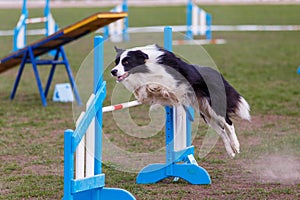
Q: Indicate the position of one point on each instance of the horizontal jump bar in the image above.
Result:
(120, 106)
(36, 20)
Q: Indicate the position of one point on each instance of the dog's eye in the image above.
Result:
(125, 62)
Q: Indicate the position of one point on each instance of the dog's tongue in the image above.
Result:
(121, 78)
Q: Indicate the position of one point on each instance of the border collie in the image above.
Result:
(157, 76)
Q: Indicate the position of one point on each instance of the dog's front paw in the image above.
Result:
(156, 94)
(142, 95)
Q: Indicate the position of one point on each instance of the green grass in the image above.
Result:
(261, 65)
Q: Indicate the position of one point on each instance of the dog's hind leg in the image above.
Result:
(226, 140)
(233, 137)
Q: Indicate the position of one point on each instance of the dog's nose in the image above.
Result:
(114, 72)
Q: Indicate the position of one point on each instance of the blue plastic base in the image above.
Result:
(193, 174)
(104, 193)
(298, 71)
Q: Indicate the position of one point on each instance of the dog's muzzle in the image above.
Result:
(114, 72)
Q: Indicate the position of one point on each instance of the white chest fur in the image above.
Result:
(157, 75)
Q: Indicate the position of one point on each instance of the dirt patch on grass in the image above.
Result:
(276, 168)
(270, 143)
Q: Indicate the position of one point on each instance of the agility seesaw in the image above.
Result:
(31, 52)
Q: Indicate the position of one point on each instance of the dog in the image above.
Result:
(157, 76)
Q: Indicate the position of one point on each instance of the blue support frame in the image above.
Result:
(188, 171)
(91, 188)
(126, 21)
(189, 15)
(125, 34)
(208, 32)
(23, 25)
(189, 32)
(29, 57)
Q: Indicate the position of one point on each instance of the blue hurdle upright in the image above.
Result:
(20, 31)
(180, 161)
(118, 31)
(198, 22)
(89, 181)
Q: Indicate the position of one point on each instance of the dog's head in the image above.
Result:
(129, 62)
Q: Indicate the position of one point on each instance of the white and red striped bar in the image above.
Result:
(36, 20)
(120, 106)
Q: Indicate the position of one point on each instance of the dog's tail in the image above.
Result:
(243, 109)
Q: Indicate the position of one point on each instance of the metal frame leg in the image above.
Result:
(71, 78)
(14, 90)
(33, 60)
(51, 72)
(37, 77)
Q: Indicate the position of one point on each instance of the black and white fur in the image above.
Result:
(157, 76)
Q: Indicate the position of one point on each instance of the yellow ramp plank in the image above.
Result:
(62, 37)
(99, 19)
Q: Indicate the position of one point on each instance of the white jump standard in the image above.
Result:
(178, 145)
(20, 31)
(89, 184)
(118, 31)
(198, 22)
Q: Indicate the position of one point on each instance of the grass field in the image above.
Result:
(260, 65)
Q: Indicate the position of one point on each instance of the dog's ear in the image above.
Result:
(118, 50)
(158, 47)
(142, 55)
